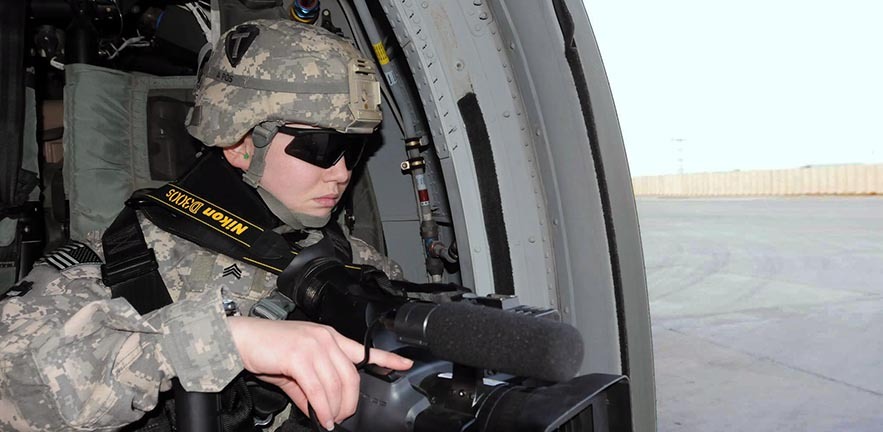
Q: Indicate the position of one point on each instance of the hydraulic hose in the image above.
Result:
(413, 129)
(392, 72)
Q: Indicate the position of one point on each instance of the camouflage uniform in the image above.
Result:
(72, 358)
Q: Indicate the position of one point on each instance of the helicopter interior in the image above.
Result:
(495, 167)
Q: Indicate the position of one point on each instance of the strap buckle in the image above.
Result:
(275, 307)
(264, 132)
(129, 268)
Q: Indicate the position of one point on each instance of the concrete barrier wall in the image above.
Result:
(813, 180)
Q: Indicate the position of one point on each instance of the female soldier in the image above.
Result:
(290, 106)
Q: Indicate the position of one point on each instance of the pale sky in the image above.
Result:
(717, 86)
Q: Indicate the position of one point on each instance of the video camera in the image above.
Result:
(480, 363)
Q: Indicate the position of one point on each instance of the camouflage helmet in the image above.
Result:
(287, 72)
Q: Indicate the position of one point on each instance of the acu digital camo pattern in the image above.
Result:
(72, 358)
(289, 72)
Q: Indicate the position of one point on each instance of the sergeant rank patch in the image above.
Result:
(232, 270)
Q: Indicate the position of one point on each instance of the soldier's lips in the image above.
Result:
(327, 201)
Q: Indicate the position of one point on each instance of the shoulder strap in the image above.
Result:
(131, 272)
(222, 229)
(342, 247)
(130, 268)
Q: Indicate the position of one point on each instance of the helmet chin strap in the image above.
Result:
(292, 219)
(262, 136)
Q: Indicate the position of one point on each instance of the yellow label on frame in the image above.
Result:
(380, 51)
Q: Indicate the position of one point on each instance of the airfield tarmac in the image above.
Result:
(767, 313)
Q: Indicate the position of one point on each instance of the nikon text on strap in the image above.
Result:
(212, 207)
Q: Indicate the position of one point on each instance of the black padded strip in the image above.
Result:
(489, 189)
(565, 21)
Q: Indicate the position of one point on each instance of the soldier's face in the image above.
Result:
(302, 187)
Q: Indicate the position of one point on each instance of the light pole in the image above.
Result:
(680, 150)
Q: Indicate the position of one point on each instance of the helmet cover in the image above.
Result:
(285, 72)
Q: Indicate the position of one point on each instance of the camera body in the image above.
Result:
(480, 363)
(432, 398)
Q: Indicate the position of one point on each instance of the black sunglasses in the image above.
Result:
(324, 148)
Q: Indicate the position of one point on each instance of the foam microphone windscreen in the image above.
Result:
(489, 338)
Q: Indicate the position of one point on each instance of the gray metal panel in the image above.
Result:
(579, 239)
(424, 32)
(535, 30)
(479, 58)
(457, 51)
(635, 303)
(548, 183)
(579, 234)
(403, 237)
(463, 48)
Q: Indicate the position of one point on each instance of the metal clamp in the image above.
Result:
(412, 164)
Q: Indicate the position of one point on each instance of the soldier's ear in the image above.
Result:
(240, 154)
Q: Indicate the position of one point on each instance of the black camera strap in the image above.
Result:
(130, 268)
(222, 214)
(199, 211)
(212, 207)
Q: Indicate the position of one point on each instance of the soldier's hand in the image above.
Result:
(309, 362)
